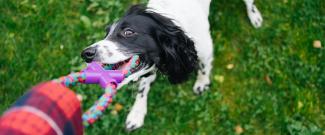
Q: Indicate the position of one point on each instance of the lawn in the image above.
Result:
(265, 81)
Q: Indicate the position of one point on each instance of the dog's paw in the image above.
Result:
(201, 86)
(134, 120)
(255, 16)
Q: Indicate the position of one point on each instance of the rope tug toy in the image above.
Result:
(107, 76)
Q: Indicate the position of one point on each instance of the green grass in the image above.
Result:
(277, 85)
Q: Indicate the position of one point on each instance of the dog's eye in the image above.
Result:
(128, 32)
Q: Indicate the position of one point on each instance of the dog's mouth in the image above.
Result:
(132, 64)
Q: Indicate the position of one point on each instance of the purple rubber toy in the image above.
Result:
(107, 77)
(96, 74)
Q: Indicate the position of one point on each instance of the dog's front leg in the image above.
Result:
(203, 76)
(138, 112)
(254, 14)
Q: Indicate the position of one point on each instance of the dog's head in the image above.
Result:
(155, 38)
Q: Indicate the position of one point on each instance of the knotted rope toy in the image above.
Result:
(107, 76)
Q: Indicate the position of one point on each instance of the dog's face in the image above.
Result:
(125, 38)
(153, 37)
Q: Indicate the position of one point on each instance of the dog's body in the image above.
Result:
(171, 36)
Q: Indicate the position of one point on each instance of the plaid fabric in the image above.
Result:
(47, 109)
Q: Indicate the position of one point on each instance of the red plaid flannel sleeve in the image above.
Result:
(47, 109)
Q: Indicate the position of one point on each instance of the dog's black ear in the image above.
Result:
(178, 55)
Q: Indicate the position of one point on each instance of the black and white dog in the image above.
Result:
(170, 36)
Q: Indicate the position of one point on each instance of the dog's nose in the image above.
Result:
(89, 54)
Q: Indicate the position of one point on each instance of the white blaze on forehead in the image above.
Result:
(112, 29)
(109, 52)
